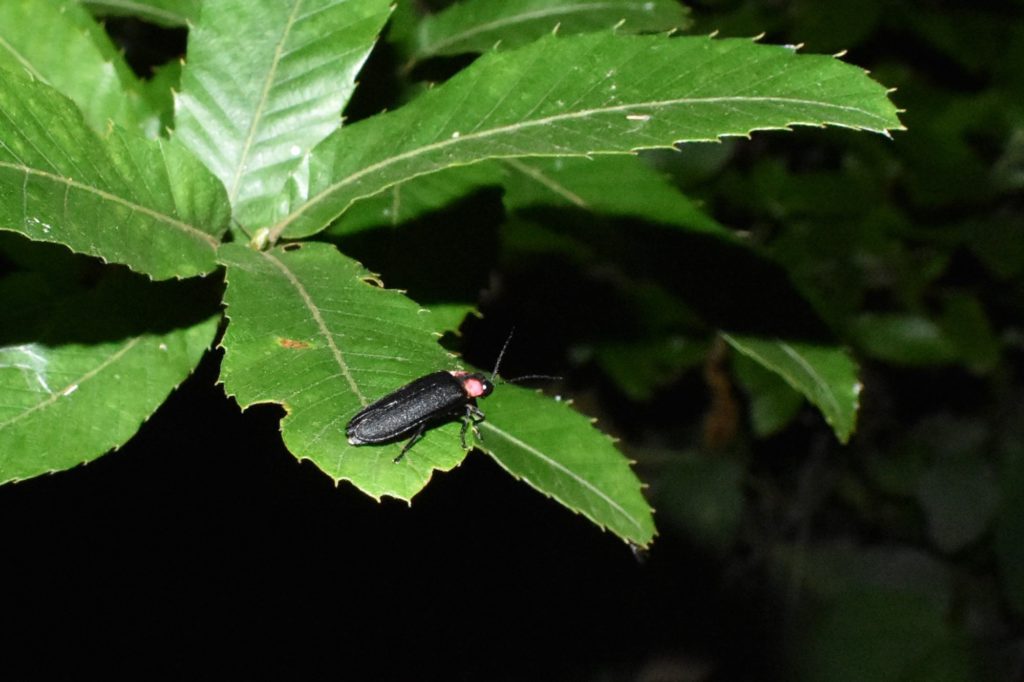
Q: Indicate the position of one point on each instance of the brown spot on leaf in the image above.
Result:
(293, 344)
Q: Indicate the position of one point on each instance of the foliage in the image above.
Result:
(810, 353)
(889, 544)
(257, 128)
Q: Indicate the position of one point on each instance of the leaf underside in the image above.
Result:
(825, 375)
(612, 185)
(608, 185)
(160, 12)
(480, 25)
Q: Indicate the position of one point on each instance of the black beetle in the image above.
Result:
(428, 400)
(411, 408)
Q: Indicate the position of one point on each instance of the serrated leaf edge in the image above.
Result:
(630, 108)
(71, 183)
(593, 422)
(432, 49)
(88, 375)
(287, 407)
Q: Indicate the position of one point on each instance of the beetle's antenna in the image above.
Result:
(494, 374)
(497, 364)
(532, 376)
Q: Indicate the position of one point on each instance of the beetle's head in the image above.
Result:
(476, 385)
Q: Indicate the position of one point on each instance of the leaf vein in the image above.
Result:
(261, 103)
(190, 230)
(813, 374)
(548, 120)
(339, 358)
(57, 395)
(561, 467)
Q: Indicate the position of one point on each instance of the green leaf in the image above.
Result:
(265, 82)
(616, 94)
(58, 43)
(639, 368)
(416, 197)
(147, 204)
(615, 185)
(773, 403)
(448, 317)
(825, 375)
(479, 25)
(160, 12)
(560, 453)
(903, 339)
(80, 373)
(311, 332)
(160, 89)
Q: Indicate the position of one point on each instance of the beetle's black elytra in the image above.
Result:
(410, 409)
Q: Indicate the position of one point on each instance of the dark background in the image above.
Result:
(204, 549)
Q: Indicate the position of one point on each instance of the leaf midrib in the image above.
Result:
(190, 230)
(815, 377)
(261, 104)
(77, 383)
(282, 225)
(559, 466)
(321, 324)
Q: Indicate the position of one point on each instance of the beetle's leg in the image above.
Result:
(412, 441)
(473, 417)
(474, 413)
